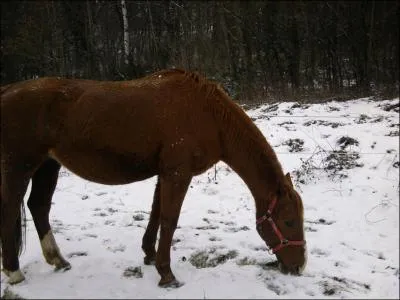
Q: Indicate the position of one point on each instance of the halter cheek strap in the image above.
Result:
(283, 242)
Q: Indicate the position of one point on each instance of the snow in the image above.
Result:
(352, 223)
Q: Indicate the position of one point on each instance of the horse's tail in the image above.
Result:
(20, 231)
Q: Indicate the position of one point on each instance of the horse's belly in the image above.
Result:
(106, 168)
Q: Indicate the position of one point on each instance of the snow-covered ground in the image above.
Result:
(344, 157)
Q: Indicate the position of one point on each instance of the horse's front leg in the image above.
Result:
(150, 236)
(173, 189)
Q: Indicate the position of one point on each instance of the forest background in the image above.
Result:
(261, 51)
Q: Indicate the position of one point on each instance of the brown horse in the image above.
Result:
(173, 124)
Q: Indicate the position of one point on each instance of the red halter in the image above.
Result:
(283, 242)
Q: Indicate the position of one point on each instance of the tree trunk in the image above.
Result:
(126, 32)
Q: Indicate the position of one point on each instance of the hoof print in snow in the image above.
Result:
(236, 229)
(227, 223)
(101, 193)
(207, 227)
(310, 229)
(324, 222)
(319, 252)
(77, 253)
(380, 256)
(210, 191)
(100, 214)
(112, 210)
(119, 248)
(133, 272)
(321, 221)
(206, 220)
(138, 217)
(175, 241)
(91, 235)
(341, 264)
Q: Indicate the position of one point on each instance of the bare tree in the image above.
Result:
(126, 31)
(258, 50)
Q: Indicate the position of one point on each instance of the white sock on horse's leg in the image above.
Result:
(52, 253)
(14, 276)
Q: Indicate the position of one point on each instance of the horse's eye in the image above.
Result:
(289, 223)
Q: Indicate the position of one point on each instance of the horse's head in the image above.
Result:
(281, 227)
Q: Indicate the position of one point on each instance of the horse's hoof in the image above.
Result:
(15, 276)
(65, 266)
(170, 284)
(149, 260)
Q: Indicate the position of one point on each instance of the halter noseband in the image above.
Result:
(283, 242)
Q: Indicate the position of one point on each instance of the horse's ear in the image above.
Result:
(289, 179)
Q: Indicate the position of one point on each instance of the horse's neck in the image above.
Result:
(247, 152)
(260, 177)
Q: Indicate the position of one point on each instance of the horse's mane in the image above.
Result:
(220, 103)
(234, 123)
(232, 120)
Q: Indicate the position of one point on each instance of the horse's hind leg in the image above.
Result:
(13, 188)
(44, 182)
(150, 236)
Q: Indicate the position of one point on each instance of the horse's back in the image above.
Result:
(111, 132)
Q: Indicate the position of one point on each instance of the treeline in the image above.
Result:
(257, 49)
